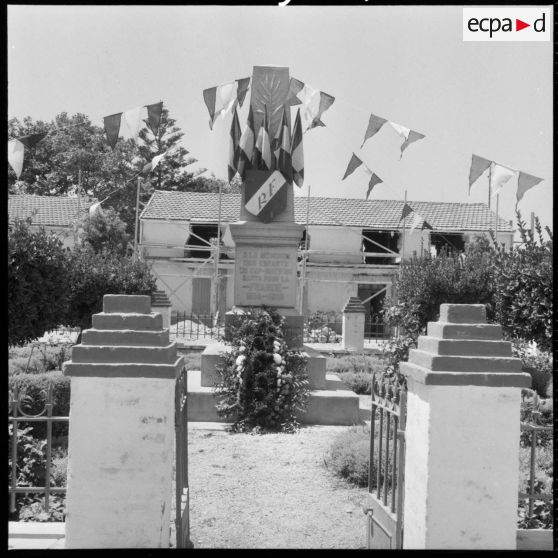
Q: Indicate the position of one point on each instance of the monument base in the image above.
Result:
(330, 400)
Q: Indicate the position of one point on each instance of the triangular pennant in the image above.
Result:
(525, 182)
(154, 113)
(478, 166)
(326, 101)
(412, 136)
(354, 163)
(407, 210)
(427, 225)
(234, 149)
(374, 125)
(499, 175)
(132, 120)
(375, 179)
(295, 87)
(93, 209)
(403, 131)
(417, 220)
(209, 97)
(297, 152)
(112, 128)
(242, 89)
(33, 139)
(15, 156)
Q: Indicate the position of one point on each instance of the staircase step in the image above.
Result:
(463, 363)
(464, 347)
(465, 331)
(151, 322)
(127, 337)
(124, 354)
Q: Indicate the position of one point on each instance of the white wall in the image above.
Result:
(173, 233)
(335, 238)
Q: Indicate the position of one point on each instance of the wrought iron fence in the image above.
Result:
(536, 437)
(19, 421)
(192, 326)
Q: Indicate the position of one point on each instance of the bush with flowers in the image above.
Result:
(262, 384)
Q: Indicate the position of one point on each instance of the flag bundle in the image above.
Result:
(16, 150)
(375, 123)
(222, 98)
(234, 151)
(132, 121)
(297, 152)
(356, 162)
(282, 152)
(261, 158)
(499, 175)
(418, 219)
(246, 146)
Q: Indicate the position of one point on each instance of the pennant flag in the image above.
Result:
(33, 139)
(407, 210)
(93, 209)
(112, 128)
(152, 165)
(375, 179)
(374, 125)
(234, 149)
(524, 183)
(283, 153)
(295, 87)
(419, 220)
(499, 176)
(314, 104)
(15, 156)
(219, 100)
(478, 166)
(242, 88)
(246, 146)
(326, 101)
(154, 116)
(262, 150)
(132, 120)
(297, 152)
(354, 163)
(408, 135)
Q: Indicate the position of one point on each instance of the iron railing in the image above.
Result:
(193, 326)
(534, 436)
(16, 417)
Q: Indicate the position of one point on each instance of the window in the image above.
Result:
(447, 242)
(387, 239)
(197, 233)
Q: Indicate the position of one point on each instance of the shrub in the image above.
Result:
(92, 275)
(536, 362)
(354, 370)
(37, 359)
(37, 282)
(106, 232)
(349, 455)
(523, 287)
(263, 384)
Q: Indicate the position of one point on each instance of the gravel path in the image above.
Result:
(270, 491)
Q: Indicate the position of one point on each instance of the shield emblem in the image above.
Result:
(265, 194)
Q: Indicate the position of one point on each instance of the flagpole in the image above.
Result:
(304, 257)
(78, 207)
(496, 226)
(217, 255)
(136, 224)
(489, 184)
(403, 235)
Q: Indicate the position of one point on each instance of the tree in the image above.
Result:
(37, 282)
(105, 232)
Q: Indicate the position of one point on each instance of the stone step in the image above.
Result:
(463, 313)
(124, 354)
(463, 363)
(464, 347)
(123, 370)
(335, 405)
(127, 337)
(465, 331)
(151, 322)
(120, 304)
(212, 357)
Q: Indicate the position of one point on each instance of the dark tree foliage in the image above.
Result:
(37, 282)
(106, 232)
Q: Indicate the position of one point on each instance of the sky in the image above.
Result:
(408, 64)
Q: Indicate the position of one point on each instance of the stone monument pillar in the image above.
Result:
(353, 325)
(462, 435)
(121, 438)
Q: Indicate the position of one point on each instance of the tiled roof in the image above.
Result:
(352, 212)
(60, 211)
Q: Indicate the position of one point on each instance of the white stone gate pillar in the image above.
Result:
(353, 325)
(121, 438)
(462, 435)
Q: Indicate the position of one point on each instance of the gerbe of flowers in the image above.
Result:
(262, 383)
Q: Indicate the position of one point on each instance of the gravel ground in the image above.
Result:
(270, 491)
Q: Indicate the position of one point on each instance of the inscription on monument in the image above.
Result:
(265, 276)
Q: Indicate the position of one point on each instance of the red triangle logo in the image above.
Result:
(519, 25)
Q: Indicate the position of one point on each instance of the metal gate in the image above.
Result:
(182, 520)
(387, 464)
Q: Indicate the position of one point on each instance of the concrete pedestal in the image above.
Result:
(353, 325)
(121, 438)
(462, 435)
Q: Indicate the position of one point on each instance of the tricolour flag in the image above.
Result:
(15, 156)
(112, 127)
(478, 167)
(524, 183)
(297, 152)
(262, 148)
(354, 163)
(246, 146)
(283, 152)
(234, 149)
